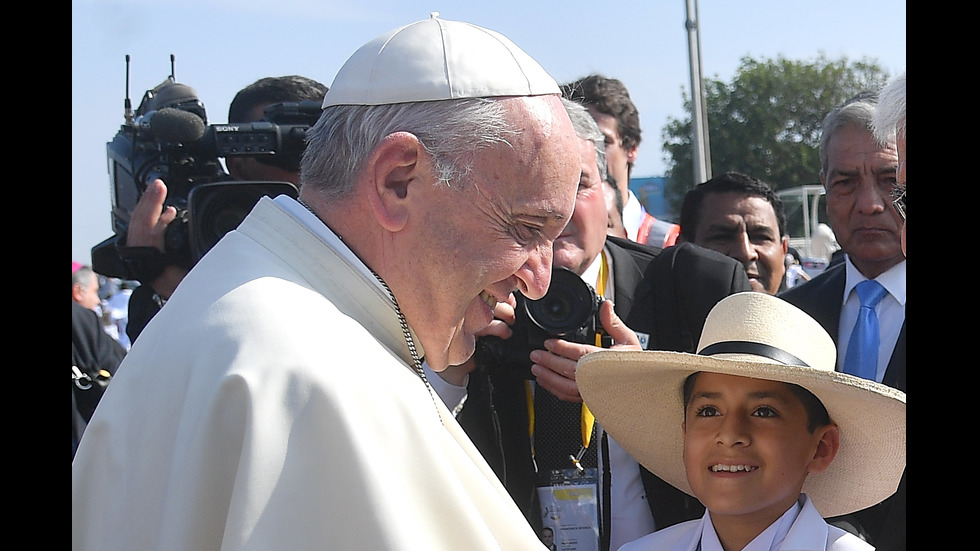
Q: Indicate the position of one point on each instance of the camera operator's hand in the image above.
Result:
(554, 368)
(148, 227)
(503, 318)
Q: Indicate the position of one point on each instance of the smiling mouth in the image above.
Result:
(488, 299)
(731, 468)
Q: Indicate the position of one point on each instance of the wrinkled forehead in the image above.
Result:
(852, 146)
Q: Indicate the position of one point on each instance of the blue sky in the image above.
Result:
(221, 46)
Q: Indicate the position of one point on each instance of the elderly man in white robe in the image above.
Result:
(278, 400)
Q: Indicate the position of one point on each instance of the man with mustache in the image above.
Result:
(741, 217)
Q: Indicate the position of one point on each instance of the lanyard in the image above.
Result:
(588, 420)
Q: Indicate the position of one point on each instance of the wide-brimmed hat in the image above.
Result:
(437, 59)
(637, 397)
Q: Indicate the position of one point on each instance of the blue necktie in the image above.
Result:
(862, 349)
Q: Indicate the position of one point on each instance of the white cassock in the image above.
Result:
(272, 404)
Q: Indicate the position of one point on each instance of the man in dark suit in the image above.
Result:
(94, 357)
(741, 217)
(859, 175)
(662, 296)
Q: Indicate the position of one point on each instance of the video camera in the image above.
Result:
(569, 311)
(169, 138)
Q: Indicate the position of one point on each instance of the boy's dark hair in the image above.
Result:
(729, 182)
(816, 413)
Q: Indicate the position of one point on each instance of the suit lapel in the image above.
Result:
(895, 374)
(626, 277)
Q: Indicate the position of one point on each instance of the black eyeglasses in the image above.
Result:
(898, 199)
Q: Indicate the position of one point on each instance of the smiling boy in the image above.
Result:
(757, 425)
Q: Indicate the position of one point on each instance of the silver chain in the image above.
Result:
(416, 361)
(411, 343)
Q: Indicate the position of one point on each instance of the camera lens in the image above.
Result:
(219, 207)
(568, 306)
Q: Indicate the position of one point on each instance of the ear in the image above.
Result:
(76, 292)
(398, 170)
(827, 446)
(785, 241)
(632, 154)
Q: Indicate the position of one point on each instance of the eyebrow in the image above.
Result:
(552, 215)
(838, 172)
(761, 227)
(874, 170)
(761, 394)
(726, 222)
(542, 220)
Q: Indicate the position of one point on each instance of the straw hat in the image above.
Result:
(637, 397)
(437, 59)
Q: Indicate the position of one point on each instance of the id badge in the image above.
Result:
(570, 508)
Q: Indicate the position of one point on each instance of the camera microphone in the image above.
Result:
(173, 125)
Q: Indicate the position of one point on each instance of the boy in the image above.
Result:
(771, 438)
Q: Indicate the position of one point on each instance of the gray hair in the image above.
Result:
(586, 128)
(889, 118)
(451, 131)
(855, 112)
(82, 276)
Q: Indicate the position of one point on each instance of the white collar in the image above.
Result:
(893, 280)
(769, 539)
(591, 274)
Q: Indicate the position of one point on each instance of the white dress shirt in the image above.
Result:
(800, 527)
(633, 212)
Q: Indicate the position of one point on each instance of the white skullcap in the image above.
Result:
(436, 59)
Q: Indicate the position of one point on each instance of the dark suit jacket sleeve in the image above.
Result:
(821, 297)
(92, 348)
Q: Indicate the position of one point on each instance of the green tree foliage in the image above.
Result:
(766, 122)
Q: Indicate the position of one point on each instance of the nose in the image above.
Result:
(743, 250)
(872, 198)
(733, 431)
(534, 276)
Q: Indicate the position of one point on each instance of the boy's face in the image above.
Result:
(747, 449)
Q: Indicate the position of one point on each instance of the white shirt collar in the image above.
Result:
(892, 280)
(591, 274)
(768, 540)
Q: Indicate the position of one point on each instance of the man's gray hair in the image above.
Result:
(856, 112)
(82, 276)
(451, 131)
(586, 128)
